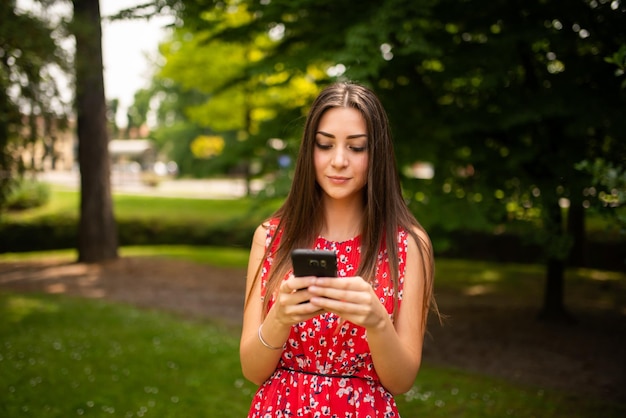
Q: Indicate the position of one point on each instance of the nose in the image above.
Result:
(339, 158)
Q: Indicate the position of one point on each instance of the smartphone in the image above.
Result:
(320, 263)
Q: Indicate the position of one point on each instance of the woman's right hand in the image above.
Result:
(291, 301)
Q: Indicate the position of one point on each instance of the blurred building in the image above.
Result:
(132, 151)
(47, 143)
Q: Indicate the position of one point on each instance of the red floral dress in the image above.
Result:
(326, 369)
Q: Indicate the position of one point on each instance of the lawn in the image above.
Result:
(66, 203)
(61, 356)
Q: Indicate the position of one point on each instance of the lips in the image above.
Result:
(338, 179)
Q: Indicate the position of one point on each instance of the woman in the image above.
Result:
(338, 346)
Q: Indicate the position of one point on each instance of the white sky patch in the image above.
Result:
(128, 50)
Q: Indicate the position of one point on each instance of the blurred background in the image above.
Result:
(176, 123)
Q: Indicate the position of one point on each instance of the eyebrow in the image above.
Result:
(354, 136)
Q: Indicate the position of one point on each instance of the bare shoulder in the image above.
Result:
(261, 234)
(423, 243)
(257, 251)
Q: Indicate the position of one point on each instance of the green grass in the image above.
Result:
(64, 357)
(61, 202)
(441, 392)
(214, 256)
(180, 209)
(164, 209)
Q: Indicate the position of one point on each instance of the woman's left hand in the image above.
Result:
(351, 298)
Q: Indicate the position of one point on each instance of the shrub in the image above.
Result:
(27, 194)
(58, 232)
(48, 233)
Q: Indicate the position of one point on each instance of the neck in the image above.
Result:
(342, 220)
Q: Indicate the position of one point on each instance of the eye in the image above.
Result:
(323, 146)
(358, 149)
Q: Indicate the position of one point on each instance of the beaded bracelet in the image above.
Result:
(271, 347)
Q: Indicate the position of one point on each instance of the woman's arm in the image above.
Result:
(258, 361)
(396, 350)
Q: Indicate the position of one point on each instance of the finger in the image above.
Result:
(294, 284)
(345, 295)
(291, 297)
(301, 296)
(354, 283)
(302, 311)
(285, 288)
(338, 307)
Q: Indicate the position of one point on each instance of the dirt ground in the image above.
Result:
(493, 336)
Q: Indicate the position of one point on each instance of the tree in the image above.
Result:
(29, 47)
(527, 95)
(137, 114)
(29, 94)
(504, 98)
(217, 94)
(112, 108)
(97, 230)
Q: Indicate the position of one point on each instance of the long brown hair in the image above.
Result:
(300, 218)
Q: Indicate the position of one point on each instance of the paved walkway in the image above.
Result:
(130, 183)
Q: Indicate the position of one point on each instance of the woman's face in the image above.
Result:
(340, 154)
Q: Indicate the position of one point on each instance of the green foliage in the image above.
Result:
(197, 64)
(29, 93)
(608, 184)
(607, 192)
(138, 112)
(211, 87)
(619, 60)
(27, 194)
(41, 234)
(235, 232)
(504, 101)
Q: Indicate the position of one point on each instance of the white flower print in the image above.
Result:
(306, 382)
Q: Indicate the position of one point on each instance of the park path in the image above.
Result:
(130, 183)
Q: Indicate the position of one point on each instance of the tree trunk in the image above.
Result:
(97, 230)
(553, 307)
